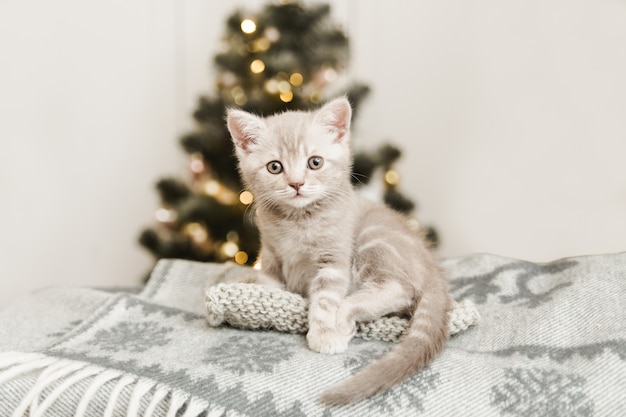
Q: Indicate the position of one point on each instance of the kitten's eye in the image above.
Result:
(275, 167)
(316, 162)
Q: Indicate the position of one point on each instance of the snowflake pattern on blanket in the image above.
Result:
(551, 341)
(541, 393)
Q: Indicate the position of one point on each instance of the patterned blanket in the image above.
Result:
(551, 342)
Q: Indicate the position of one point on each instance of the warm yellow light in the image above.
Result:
(257, 66)
(196, 232)
(315, 97)
(241, 100)
(248, 26)
(286, 97)
(296, 79)
(271, 86)
(165, 215)
(246, 197)
(212, 187)
(392, 177)
(284, 86)
(272, 34)
(230, 249)
(239, 95)
(262, 44)
(232, 236)
(330, 74)
(241, 257)
(197, 164)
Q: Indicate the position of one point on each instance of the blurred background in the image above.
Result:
(511, 118)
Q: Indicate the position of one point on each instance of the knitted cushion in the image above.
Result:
(252, 306)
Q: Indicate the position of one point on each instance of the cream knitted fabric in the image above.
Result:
(252, 306)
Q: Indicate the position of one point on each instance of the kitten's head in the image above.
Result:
(294, 159)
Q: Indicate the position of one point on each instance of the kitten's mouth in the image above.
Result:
(299, 199)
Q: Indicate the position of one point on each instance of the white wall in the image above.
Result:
(511, 116)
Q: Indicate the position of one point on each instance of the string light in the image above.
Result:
(197, 164)
(330, 74)
(392, 177)
(296, 79)
(259, 45)
(272, 34)
(165, 215)
(232, 236)
(239, 95)
(271, 86)
(284, 86)
(196, 232)
(286, 97)
(230, 249)
(228, 78)
(212, 188)
(246, 197)
(248, 26)
(257, 264)
(241, 257)
(257, 66)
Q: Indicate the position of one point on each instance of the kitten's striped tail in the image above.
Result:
(426, 336)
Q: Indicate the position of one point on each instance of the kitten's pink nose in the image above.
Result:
(296, 185)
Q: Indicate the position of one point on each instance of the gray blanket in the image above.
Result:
(552, 341)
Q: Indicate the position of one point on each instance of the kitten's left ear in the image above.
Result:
(336, 116)
(245, 129)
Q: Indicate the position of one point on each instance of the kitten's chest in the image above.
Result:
(296, 242)
(299, 247)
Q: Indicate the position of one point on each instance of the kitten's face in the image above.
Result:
(294, 159)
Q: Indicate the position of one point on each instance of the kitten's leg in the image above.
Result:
(374, 301)
(326, 291)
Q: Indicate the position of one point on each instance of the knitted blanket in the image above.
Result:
(551, 341)
(250, 306)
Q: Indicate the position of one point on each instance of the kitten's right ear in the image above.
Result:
(245, 129)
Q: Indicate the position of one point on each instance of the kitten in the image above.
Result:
(354, 259)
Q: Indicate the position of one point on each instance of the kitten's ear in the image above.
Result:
(245, 129)
(335, 116)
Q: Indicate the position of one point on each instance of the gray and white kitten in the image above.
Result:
(354, 259)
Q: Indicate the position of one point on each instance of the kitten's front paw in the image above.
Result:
(328, 341)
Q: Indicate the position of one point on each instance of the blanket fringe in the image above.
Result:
(56, 377)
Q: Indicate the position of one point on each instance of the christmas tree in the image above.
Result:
(286, 57)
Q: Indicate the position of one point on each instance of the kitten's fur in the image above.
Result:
(354, 259)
